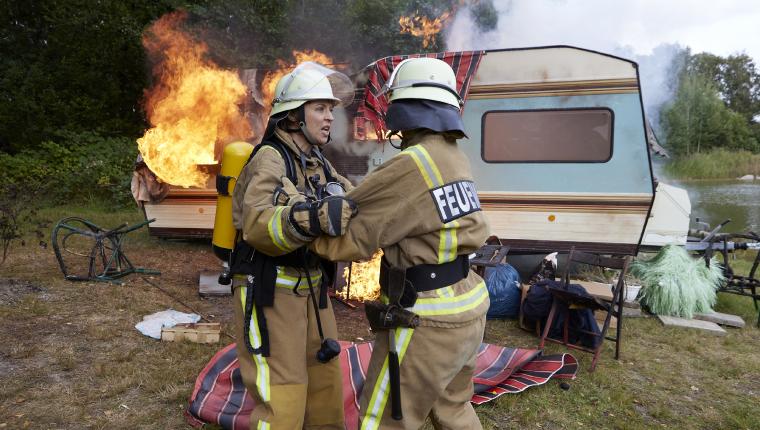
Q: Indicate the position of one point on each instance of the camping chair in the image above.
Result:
(561, 296)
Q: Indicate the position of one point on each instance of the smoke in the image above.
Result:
(600, 25)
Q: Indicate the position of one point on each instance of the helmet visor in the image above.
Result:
(313, 81)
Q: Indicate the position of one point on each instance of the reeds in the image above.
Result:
(716, 164)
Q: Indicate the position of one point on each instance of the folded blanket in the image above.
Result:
(220, 397)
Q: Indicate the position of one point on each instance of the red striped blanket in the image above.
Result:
(374, 106)
(220, 397)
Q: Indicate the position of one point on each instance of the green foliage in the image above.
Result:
(485, 15)
(717, 102)
(80, 167)
(71, 66)
(714, 164)
(18, 209)
(736, 77)
(374, 31)
(698, 120)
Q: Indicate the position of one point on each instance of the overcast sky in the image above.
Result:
(722, 27)
(649, 32)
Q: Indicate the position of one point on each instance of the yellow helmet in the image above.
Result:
(423, 79)
(310, 81)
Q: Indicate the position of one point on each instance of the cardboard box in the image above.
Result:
(198, 332)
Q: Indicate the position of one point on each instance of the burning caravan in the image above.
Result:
(557, 143)
(558, 148)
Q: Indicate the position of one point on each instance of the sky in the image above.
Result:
(722, 27)
(649, 32)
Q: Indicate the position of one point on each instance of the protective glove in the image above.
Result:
(328, 216)
(287, 194)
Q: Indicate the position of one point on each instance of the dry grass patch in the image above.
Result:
(71, 357)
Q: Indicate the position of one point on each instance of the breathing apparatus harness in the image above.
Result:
(261, 269)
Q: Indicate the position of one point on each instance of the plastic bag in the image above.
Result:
(503, 284)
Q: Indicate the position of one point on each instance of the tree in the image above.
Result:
(71, 66)
(736, 78)
(699, 120)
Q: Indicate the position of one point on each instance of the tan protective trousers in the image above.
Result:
(437, 365)
(291, 389)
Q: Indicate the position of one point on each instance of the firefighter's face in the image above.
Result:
(319, 117)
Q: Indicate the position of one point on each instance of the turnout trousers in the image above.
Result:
(437, 365)
(291, 389)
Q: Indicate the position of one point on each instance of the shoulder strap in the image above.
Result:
(329, 177)
(290, 168)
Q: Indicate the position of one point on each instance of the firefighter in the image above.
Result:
(286, 195)
(422, 209)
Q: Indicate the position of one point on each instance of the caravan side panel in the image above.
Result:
(550, 201)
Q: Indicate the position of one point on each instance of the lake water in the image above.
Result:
(716, 201)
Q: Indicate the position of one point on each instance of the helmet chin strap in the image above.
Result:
(308, 136)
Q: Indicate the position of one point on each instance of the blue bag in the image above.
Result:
(503, 284)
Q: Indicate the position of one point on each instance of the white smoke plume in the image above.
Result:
(649, 32)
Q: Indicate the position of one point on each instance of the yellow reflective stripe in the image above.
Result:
(287, 281)
(275, 230)
(447, 246)
(445, 292)
(426, 165)
(263, 425)
(374, 412)
(424, 173)
(254, 336)
(451, 305)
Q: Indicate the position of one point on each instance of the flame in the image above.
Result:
(284, 67)
(192, 107)
(365, 279)
(422, 26)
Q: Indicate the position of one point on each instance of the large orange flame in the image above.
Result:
(284, 67)
(192, 107)
(422, 26)
(365, 279)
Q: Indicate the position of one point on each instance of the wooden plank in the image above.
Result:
(209, 286)
(198, 332)
(707, 326)
(596, 289)
(722, 319)
(599, 316)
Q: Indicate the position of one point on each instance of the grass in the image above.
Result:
(716, 164)
(71, 357)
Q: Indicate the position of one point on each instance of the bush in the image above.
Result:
(81, 167)
(715, 164)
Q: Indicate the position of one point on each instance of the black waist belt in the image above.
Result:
(426, 277)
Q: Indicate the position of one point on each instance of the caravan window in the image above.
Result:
(545, 136)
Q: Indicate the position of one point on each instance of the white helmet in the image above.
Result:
(310, 81)
(423, 79)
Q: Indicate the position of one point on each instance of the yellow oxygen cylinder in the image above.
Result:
(234, 158)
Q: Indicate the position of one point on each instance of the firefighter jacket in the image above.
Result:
(420, 207)
(263, 221)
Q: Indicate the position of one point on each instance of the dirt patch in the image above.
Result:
(352, 325)
(13, 291)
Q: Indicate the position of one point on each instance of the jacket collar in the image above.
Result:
(287, 139)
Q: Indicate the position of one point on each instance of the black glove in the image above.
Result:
(328, 216)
